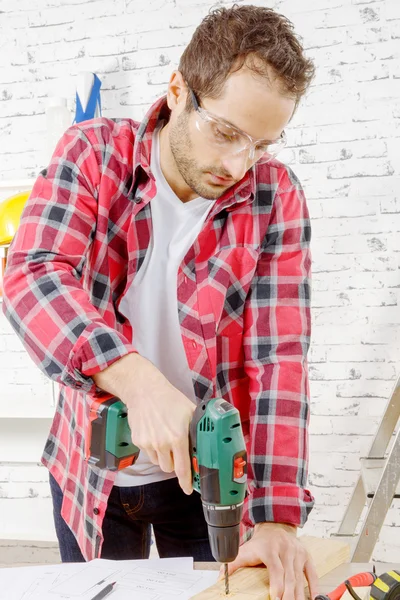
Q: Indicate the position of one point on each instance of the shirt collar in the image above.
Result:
(241, 193)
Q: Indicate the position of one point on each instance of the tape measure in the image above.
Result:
(386, 586)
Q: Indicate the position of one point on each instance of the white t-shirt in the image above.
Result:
(151, 303)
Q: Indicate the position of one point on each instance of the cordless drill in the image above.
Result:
(218, 455)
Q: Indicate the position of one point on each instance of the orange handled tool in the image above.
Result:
(359, 580)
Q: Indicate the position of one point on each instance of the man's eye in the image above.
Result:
(225, 135)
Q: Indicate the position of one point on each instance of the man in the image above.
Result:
(168, 262)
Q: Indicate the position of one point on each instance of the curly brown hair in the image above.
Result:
(259, 37)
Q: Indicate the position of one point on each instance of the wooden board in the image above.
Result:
(252, 583)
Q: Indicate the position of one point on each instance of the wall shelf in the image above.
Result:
(16, 183)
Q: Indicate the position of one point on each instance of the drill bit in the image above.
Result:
(226, 579)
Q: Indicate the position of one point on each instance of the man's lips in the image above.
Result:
(220, 180)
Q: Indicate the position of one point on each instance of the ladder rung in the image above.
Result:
(349, 539)
(371, 471)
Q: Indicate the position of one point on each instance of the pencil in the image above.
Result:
(109, 588)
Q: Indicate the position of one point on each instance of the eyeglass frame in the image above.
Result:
(252, 143)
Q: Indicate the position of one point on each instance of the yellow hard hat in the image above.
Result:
(10, 215)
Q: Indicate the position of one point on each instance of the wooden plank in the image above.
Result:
(252, 583)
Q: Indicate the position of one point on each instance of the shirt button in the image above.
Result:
(96, 511)
(185, 279)
(194, 344)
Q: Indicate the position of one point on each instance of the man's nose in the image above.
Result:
(236, 166)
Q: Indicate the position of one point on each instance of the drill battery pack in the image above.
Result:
(109, 444)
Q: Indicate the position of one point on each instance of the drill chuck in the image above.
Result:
(224, 542)
(223, 530)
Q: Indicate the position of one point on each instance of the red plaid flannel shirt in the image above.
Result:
(243, 302)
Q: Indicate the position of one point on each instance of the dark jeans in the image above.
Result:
(178, 523)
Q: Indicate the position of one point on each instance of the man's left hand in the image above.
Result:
(276, 546)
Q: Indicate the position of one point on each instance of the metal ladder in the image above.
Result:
(377, 485)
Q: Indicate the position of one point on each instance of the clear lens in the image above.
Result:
(272, 150)
(231, 142)
(220, 134)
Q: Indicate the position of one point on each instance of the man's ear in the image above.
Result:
(177, 91)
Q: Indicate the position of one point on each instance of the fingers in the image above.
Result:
(245, 558)
(173, 457)
(163, 459)
(286, 559)
(299, 577)
(182, 464)
(276, 577)
(152, 454)
(296, 564)
(240, 561)
(166, 461)
(312, 578)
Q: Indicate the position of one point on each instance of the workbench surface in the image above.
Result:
(330, 581)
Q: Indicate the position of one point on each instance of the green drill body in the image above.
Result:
(218, 456)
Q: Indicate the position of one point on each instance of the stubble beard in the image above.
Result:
(191, 173)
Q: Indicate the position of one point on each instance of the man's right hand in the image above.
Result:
(159, 415)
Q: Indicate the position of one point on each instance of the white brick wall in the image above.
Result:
(344, 146)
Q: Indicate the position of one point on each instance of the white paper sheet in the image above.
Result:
(156, 579)
(185, 565)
